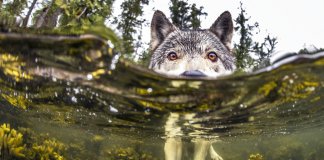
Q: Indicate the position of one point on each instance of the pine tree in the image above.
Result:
(130, 22)
(248, 46)
(184, 15)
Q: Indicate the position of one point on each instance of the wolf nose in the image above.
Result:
(194, 73)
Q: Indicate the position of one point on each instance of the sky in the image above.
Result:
(296, 23)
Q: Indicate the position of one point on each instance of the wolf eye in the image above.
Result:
(172, 56)
(212, 56)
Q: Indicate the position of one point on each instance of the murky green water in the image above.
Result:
(67, 97)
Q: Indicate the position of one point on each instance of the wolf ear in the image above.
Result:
(223, 28)
(160, 28)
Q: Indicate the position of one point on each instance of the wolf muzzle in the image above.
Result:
(194, 73)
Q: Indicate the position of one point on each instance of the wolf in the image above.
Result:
(193, 53)
(190, 53)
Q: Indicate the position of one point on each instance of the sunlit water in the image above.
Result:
(74, 91)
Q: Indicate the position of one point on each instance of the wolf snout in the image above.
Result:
(194, 73)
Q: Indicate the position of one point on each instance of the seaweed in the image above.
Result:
(256, 156)
(26, 145)
(11, 143)
(127, 153)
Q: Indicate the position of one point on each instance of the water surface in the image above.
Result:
(72, 97)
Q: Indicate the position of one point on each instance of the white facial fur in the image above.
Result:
(191, 47)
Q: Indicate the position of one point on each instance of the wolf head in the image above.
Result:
(192, 52)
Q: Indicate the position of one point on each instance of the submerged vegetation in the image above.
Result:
(289, 88)
(128, 154)
(11, 143)
(11, 65)
(256, 156)
(24, 144)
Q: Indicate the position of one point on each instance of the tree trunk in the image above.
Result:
(26, 19)
(51, 20)
(40, 20)
(1, 2)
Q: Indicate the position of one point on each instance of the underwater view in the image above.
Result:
(72, 97)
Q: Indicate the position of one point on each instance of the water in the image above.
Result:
(72, 98)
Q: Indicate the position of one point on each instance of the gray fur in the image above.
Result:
(191, 46)
(223, 28)
(160, 28)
